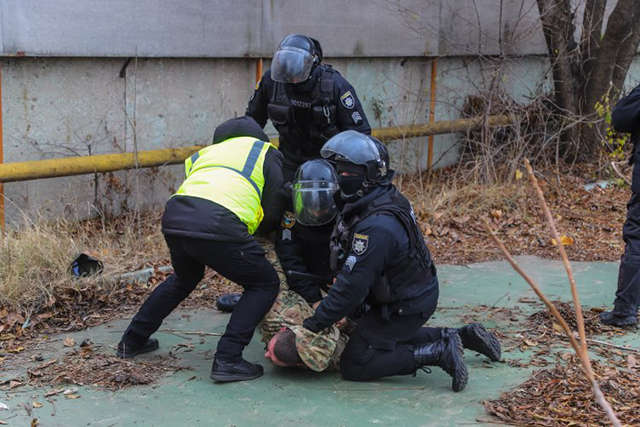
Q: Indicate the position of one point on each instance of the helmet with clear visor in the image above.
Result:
(313, 190)
(294, 59)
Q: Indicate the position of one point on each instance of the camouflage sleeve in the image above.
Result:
(318, 351)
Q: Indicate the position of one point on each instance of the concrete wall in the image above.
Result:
(252, 28)
(62, 94)
(56, 107)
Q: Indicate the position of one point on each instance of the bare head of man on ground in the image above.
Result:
(282, 351)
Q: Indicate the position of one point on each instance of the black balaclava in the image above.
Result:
(352, 185)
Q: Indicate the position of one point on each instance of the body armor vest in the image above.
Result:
(407, 279)
(302, 141)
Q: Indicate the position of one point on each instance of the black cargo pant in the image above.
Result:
(382, 347)
(628, 293)
(243, 263)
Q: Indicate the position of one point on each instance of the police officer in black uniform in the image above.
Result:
(307, 101)
(302, 244)
(385, 262)
(626, 118)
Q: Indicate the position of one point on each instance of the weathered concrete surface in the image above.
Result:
(61, 107)
(285, 397)
(252, 28)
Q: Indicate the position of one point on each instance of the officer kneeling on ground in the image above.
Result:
(385, 262)
(307, 101)
(232, 189)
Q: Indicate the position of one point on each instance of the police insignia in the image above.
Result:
(347, 100)
(288, 220)
(349, 263)
(357, 118)
(360, 243)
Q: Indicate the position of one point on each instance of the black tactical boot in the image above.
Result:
(227, 302)
(446, 353)
(476, 338)
(128, 350)
(613, 319)
(223, 371)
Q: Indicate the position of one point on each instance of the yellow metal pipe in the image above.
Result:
(68, 166)
(439, 127)
(23, 171)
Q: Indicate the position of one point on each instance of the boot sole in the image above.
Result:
(619, 321)
(487, 343)
(227, 378)
(460, 374)
(153, 346)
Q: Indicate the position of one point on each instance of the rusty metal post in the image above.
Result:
(432, 112)
(258, 71)
(2, 225)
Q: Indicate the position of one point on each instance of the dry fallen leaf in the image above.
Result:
(518, 175)
(16, 349)
(53, 392)
(496, 213)
(69, 342)
(565, 240)
(4, 423)
(37, 404)
(3, 406)
(34, 422)
(70, 391)
(72, 396)
(14, 384)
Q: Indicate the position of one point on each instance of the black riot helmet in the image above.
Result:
(362, 162)
(295, 58)
(313, 189)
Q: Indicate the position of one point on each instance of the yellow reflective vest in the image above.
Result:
(230, 174)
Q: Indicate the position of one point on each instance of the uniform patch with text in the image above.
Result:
(347, 100)
(360, 243)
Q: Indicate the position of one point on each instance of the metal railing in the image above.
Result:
(102, 163)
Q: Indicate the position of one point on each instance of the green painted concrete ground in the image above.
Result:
(284, 397)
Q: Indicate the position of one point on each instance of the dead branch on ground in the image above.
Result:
(579, 348)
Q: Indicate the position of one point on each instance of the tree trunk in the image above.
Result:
(584, 72)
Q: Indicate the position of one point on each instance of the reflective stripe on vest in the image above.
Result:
(230, 174)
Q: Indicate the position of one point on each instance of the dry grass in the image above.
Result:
(34, 260)
(449, 195)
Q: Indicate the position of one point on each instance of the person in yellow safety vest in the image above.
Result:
(233, 189)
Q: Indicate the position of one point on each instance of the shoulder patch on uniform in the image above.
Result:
(288, 220)
(356, 117)
(360, 243)
(347, 100)
(286, 234)
(349, 263)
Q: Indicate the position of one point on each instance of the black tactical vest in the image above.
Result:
(410, 278)
(302, 141)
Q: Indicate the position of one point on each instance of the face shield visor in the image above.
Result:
(291, 65)
(313, 202)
